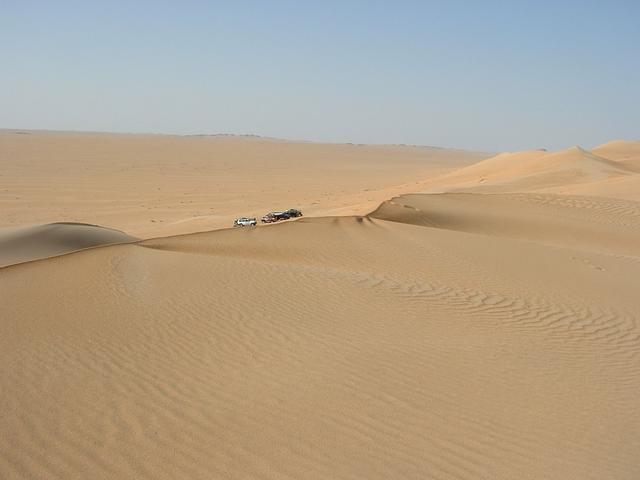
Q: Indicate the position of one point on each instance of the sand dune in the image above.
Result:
(627, 187)
(456, 335)
(625, 152)
(348, 347)
(22, 244)
(574, 170)
(558, 220)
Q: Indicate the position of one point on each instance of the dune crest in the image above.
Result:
(23, 244)
(620, 151)
(608, 170)
(589, 223)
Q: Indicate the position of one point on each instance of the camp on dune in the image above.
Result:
(479, 321)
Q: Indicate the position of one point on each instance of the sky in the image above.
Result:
(483, 75)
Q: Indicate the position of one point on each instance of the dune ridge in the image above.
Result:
(609, 170)
(568, 221)
(623, 151)
(22, 244)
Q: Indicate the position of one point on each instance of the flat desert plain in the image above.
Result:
(436, 314)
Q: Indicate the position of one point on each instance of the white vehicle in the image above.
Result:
(244, 222)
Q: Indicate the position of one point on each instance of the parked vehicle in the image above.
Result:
(272, 217)
(244, 222)
(293, 213)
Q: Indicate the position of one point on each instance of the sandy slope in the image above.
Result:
(555, 220)
(21, 244)
(611, 170)
(332, 348)
(447, 336)
(158, 185)
(621, 151)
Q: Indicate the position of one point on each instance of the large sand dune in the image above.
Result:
(445, 336)
(625, 152)
(609, 170)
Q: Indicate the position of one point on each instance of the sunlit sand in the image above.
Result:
(435, 313)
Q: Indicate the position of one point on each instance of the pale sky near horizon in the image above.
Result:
(487, 75)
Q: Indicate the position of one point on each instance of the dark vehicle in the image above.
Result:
(293, 213)
(273, 217)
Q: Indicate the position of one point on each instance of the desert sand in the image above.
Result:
(159, 185)
(481, 323)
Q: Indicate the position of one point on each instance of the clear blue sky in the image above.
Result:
(471, 74)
